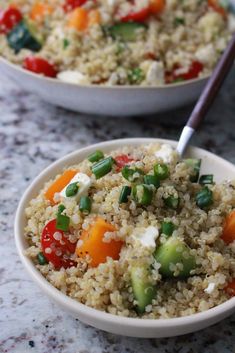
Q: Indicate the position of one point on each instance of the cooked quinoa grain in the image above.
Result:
(144, 42)
(114, 259)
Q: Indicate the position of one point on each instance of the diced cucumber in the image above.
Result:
(125, 31)
(195, 164)
(24, 36)
(143, 291)
(172, 252)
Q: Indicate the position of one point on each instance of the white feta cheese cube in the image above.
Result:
(148, 237)
(84, 183)
(231, 23)
(211, 24)
(165, 153)
(210, 288)
(206, 55)
(111, 2)
(155, 74)
(73, 77)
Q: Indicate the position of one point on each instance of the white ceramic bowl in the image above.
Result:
(118, 101)
(111, 323)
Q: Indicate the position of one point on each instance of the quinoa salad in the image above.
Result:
(116, 42)
(136, 232)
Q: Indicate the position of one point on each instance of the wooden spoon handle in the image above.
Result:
(212, 87)
(208, 95)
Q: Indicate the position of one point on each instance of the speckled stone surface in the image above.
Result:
(32, 135)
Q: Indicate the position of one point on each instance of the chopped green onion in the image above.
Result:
(62, 222)
(95, 156)
(128, 173)
(161, 171)
(179, 21)
(103, 167)
(206, 179)
(132, 174)
(66, 43)
(142, 194)
(204, 197)
(195, 164)
(172, 202)
(152, 180)
(61, 208)
(125, 192)
(41, 259)
(72, 189)
(167, 228)
(85, 204)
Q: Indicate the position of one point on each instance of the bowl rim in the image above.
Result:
(81, 309)
(103, 87)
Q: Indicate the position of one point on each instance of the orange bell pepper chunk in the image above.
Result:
(228, 235)
(157, 6)
(39, 11)
(59, 184)
(78, 19)
(94, 18)
(230, 288)
(93, 245)
(214, 4)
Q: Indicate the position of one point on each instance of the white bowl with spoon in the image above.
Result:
(221, 169)
(211, 164)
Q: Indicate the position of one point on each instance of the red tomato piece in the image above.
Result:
(150, 56)
(56, 246)
(70, 5)
(230, 288)
(193, 72)
(214, 4)
(40, 66)
(9, 19)
(122, 160)
(169, 77)
(139, 16)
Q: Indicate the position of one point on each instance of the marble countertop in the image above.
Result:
(32, 135)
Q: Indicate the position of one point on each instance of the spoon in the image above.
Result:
(207, 97)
